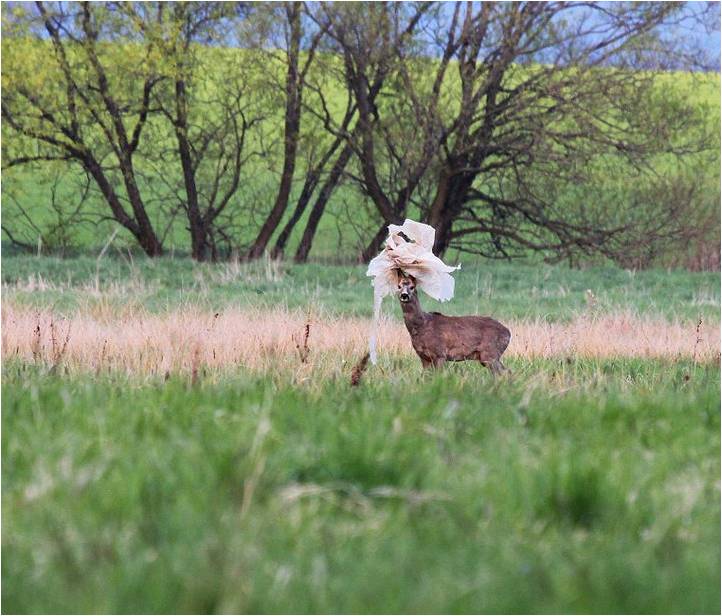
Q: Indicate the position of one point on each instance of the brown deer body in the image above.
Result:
(437, 338)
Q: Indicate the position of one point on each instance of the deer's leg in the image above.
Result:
(439, 362)
(494, 365)
(425, 363)
(497, 367)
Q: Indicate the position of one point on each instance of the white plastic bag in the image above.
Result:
(413, 256)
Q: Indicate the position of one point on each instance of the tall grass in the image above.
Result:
(186, 439)
(318, 344)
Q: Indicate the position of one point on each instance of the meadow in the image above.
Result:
(182, 437)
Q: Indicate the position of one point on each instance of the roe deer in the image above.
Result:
(437, 338)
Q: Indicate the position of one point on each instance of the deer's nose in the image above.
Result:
(404, 296)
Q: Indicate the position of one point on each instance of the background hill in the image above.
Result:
(634, 177)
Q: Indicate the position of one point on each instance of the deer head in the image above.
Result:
(406, 288)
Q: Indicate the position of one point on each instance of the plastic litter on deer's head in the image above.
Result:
(408, 249)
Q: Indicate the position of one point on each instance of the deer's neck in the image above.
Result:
(414, 316)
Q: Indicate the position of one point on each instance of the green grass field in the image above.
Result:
(555, 293)
(575, 485)
(410, 495)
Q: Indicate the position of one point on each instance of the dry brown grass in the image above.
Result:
(191, 341)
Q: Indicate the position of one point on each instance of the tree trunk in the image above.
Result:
(443, 235)
(301, 204)
(437, 205)
(374, 246)
(149, 243)
(304, 247)
(313, 176)
(200, 247)
(447, 205)
(291, 132)
(318, 208)
(143, 233)
(196, 222)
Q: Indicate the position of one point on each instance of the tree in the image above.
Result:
(557, 90)
(295, 77)
(210, 113)
(325, 137)
(331, 133)
(510, 127)
(88, 102)
(371, 39)
(313, 132)
(523, 101)
(189, 124)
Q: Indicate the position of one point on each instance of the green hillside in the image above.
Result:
(37, 198)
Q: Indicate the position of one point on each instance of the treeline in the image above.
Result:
(512, 128)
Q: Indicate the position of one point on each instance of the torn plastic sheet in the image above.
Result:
(408, 249)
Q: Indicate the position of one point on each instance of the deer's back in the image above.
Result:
(459, 338)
